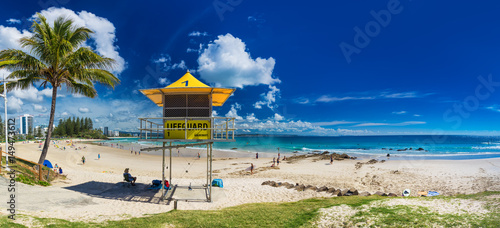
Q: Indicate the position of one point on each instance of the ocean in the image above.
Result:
(450, 147)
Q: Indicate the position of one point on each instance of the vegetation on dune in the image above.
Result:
(305, 213)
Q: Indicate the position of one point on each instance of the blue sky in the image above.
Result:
(315, 68)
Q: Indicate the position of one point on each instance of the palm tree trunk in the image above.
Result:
(50, 128)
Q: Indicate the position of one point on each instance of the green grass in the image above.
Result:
(299, 214)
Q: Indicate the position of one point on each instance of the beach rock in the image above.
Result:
(323, 189)
(365, 194)
(266, 183)
(290, 186)
(274, 184)
(314, 188)
(392, 195)
(420, 149)
(279, 184)
(300, 187)
(344, 156)
(337, 192)
(308, 186)
(330, 190)
(353, 191)
(380, 194)
(344, 192)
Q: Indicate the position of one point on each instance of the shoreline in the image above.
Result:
(243, 153)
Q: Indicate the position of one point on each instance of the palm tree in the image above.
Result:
(57, 57)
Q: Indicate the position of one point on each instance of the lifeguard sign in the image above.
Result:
(187, 108)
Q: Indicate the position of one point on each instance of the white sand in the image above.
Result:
(94, 192)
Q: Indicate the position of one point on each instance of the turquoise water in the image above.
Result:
(434, 147)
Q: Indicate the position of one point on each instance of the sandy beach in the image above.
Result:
(96, 192)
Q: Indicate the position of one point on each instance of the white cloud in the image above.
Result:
(13, 21)
(399, 113)
(181, 65)
(390, 124)
(198, 33)
(29, 94)
(327, 98)
(332, 123)
(233, 112)
(83, 110)
(10, 36)
(214, 113)
(495, 108)
(163, 81)
(225, 62)
(65, 114)
(301, 100)
(104, 32)
(269, 98)
(251, 117)
(14, 105)
(278, 117)
(39, 108)
(382, 95)
(416, 115)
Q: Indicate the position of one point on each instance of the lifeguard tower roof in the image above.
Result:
(188, 84)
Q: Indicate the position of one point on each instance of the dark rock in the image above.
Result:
(353, 191)
(390, 148)
(337, 192)
(323, 189)
(345, 191)
(331, 190)
(420, 149)
(392, 195)
(266, 182)
(365, 194)
(290, 186)
(380, 194)
(314, 188)
(300, 187)
(274, 184)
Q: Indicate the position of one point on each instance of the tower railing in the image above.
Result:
(220, 128)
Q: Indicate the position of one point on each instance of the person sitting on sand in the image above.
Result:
(129, 177)
(60, 170)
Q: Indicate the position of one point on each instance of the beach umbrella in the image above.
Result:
(48, 164)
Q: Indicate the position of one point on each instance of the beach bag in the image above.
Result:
(156, 182)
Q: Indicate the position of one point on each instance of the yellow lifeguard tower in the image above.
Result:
(187, 117)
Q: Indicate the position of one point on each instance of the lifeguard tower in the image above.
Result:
(187, 121)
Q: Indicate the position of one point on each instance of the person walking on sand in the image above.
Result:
(331, 159)
(83, 160)
(278, 161)
(256, 155)
(99, 156)
(251, 168)
(199, 156)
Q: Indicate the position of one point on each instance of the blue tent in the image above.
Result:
(48, 164)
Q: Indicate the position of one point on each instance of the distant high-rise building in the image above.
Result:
(106, 131)
(26, 124)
